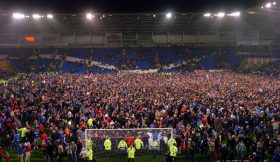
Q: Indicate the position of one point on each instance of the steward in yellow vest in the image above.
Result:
(89, 155)
(138, 143)
(173, 152)
(154, 147)
(171, 142)
(131, 153)
(122, 146)
(89, 143)
(108, 144)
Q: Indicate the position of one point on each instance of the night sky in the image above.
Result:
(129, 6)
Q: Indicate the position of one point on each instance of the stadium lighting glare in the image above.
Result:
(154, 15)
(89, 16)
(234, 14)
(207, 15)
(268, 5)
(274, 3)
(49, 16)
(36, 16)
(262, 6)
(168, 15)
(220, 14)
(18, 16)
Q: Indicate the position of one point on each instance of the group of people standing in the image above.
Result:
(220, 115)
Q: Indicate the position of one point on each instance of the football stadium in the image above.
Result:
(167, 86)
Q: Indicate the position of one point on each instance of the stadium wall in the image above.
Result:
(248, 38)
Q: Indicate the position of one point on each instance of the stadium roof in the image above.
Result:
(128, 6)
(189, 23)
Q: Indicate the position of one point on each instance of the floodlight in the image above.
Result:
(168, 15)
(18, 16)
(154, 15)
(234, 14)
(89, 16)
(262, 6)
(49, 16)
(274, 3)
(268, 5)
(207, 15)
(220, 14)
(36, 16)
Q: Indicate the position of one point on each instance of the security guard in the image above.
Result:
(173, 152)
(131, 153)
(89, 143)
(171, 142)
(108, 144)
(108, 147)
(138, 145)
(122, 147)
(89, 155)
(154, 146)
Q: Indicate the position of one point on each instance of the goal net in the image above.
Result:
(147, 136)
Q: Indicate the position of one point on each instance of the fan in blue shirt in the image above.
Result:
(20, 149)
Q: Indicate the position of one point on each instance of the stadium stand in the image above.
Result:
(194, 87)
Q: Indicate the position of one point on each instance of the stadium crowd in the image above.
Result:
(5, 75)
(218, 115)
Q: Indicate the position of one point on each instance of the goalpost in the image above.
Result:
(147, 135)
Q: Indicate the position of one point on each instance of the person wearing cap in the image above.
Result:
(138, 145)
(154, 147)
(131, 153)
(173, 152)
